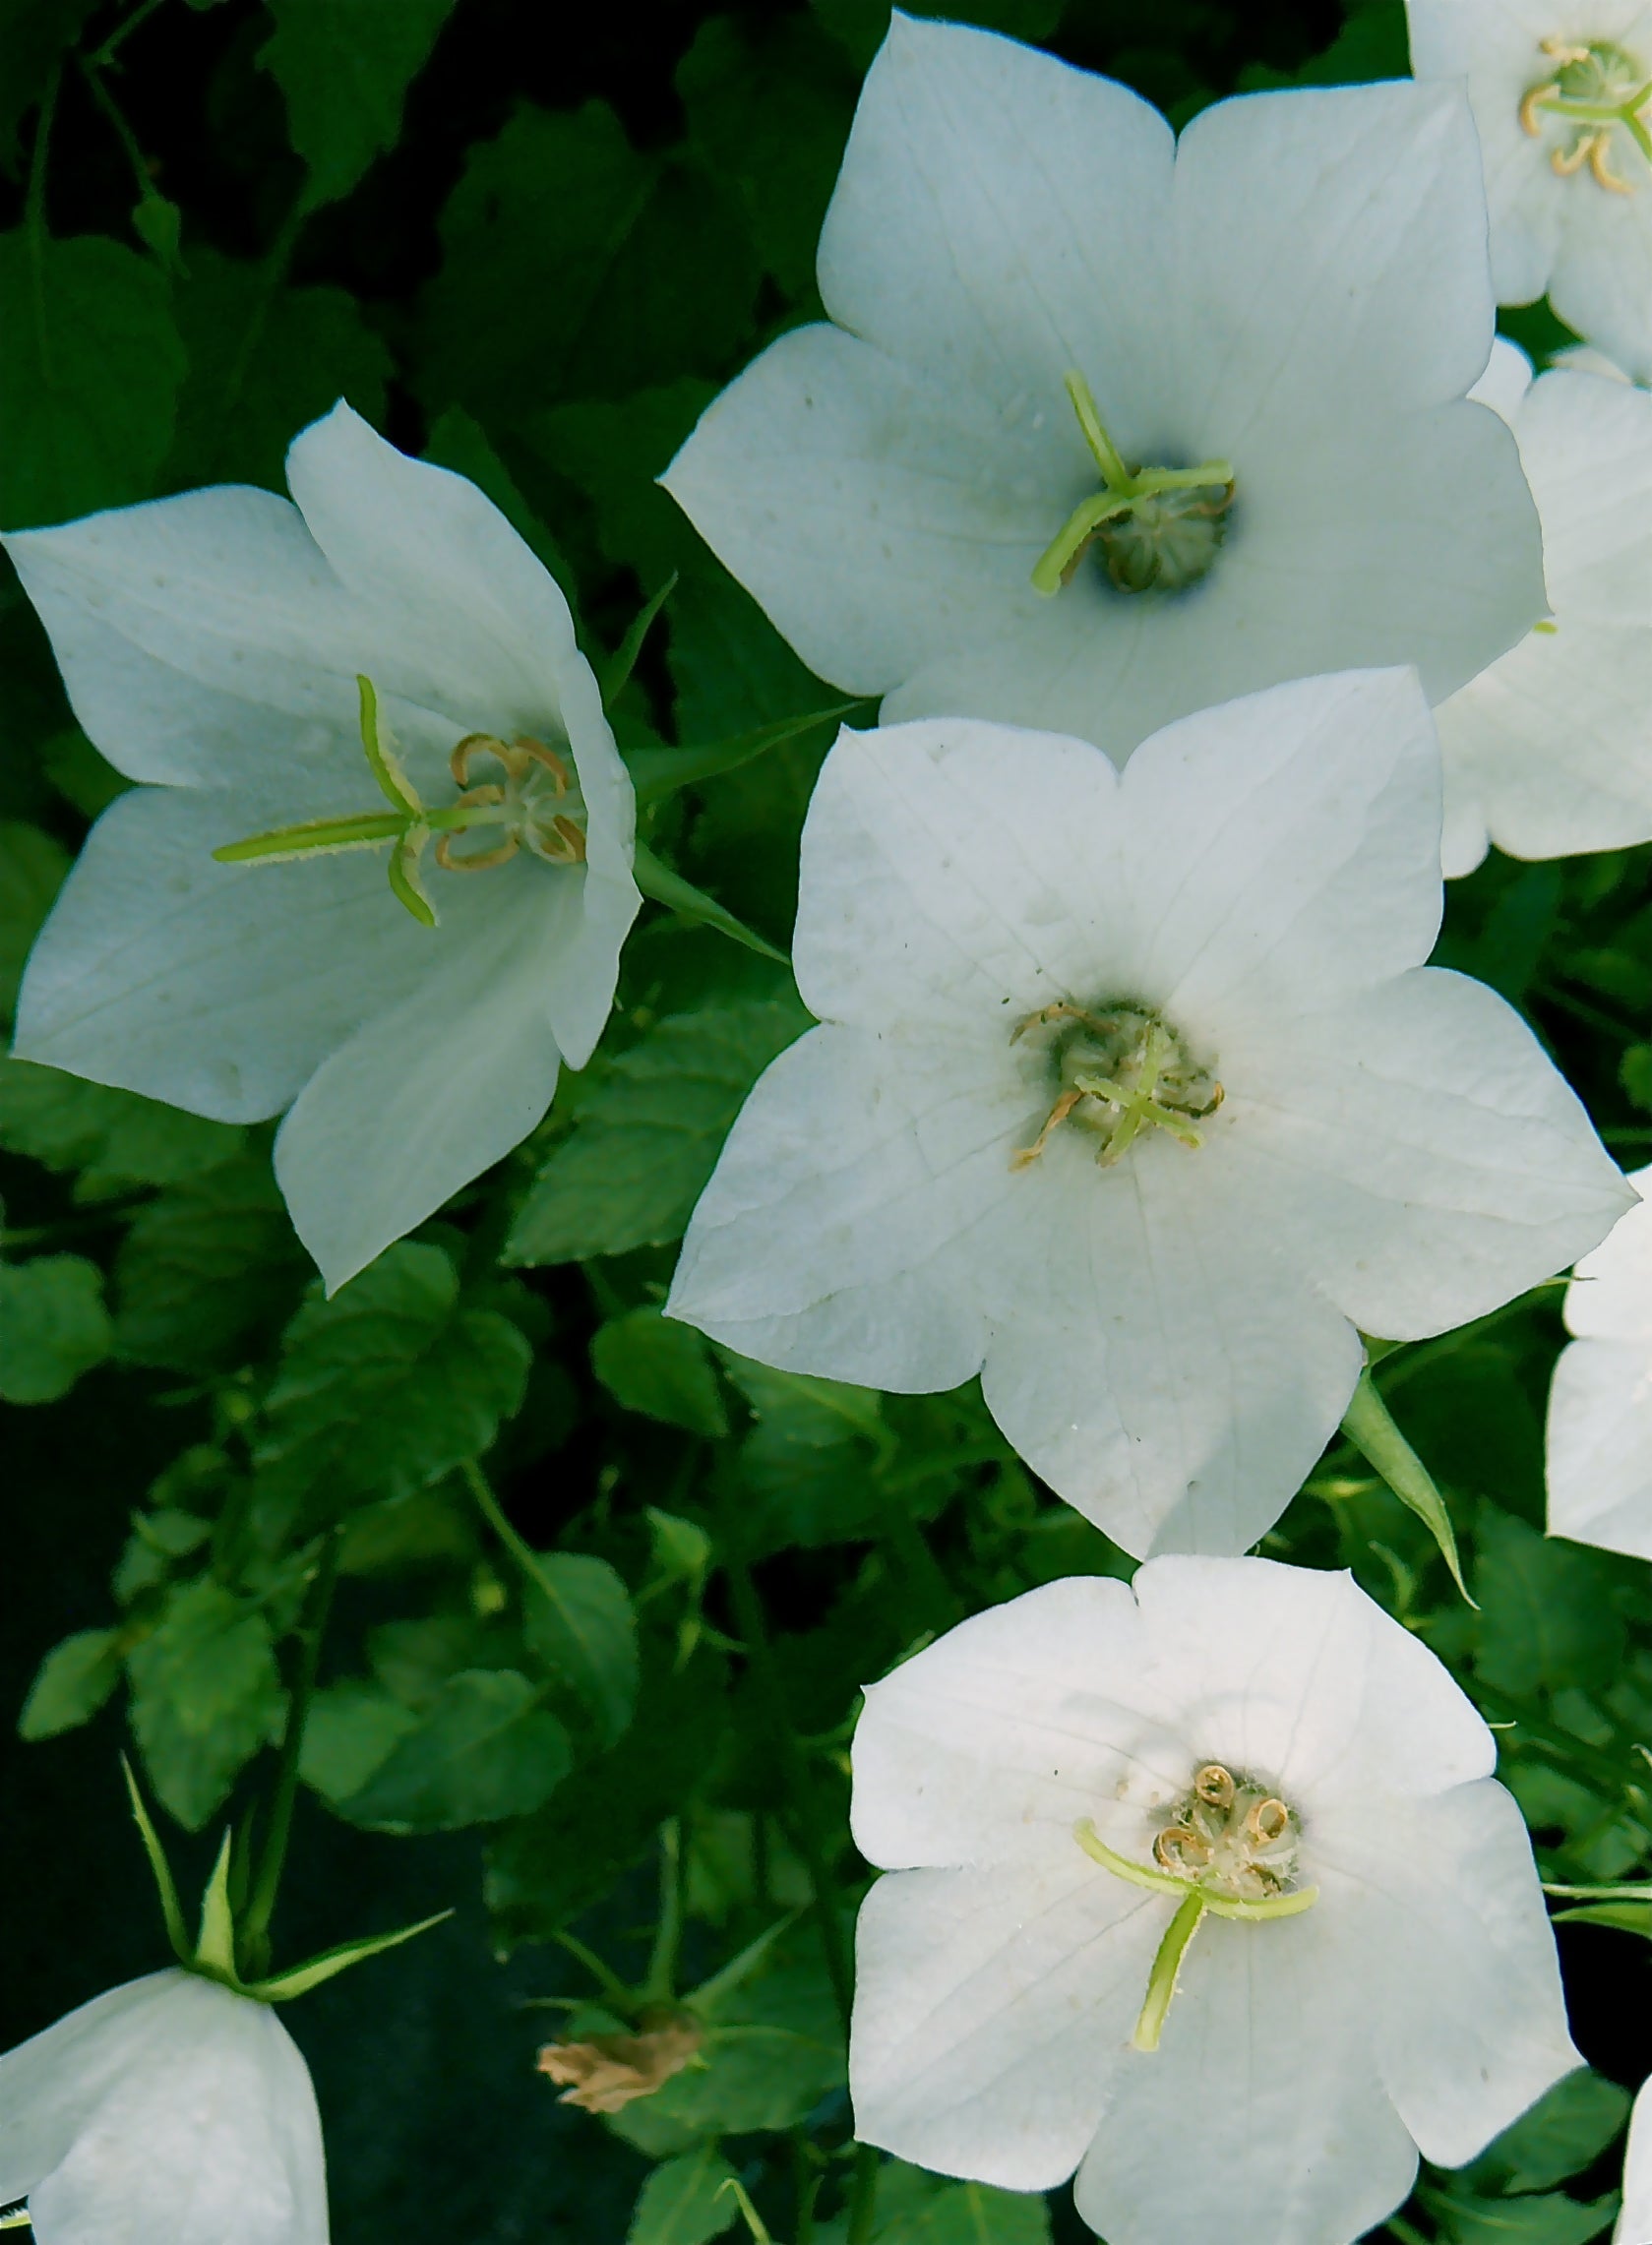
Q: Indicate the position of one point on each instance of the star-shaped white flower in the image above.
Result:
(1550, 750)
(1108, 430)
(171, 2111)
(386, 668)
(1600, 1406)
(1243, 1772)
(1134, 1095)
(1634, 2220)
(1561, 91)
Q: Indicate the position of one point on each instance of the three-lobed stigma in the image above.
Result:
(1116, 1070)
(1595, 88)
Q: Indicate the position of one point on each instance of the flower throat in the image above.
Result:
(1155, 528)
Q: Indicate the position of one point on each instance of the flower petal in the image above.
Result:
(1634, 2222)
(189, 2114)
(430, 1092)
(1610, 1298)
(1599, 1444)
(1419, 1151)
(216, 987)
(1260, 2115)
(1451, 1937)
(992, 2013)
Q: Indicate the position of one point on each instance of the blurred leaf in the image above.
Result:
(1563, 2133)
(457, 443)
(684, 2202)
(71, 1685)
(115, 1139)
(262, 364)
(1545, 1619)
(345, 66)
(619, 268)
(650, 1364)
(768, 106)
(612, 451)
(388, 1385)
(80, 775)
(53, 1326)
(205, 1696)
(576, 1622)
(159, 226)
(1554, 2219)
(973, 2213)
(351, 1728)
(34, 33)
(483, 1750)
(547, 1868)
(90, 367)
(1372, 45)
(638, 1158)
(663, 885)
(33, 868)
(206, 1270)
(861, 25)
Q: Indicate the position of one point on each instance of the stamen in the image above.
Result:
(1593, 88)
(1215, 1785)
(478, 861)
(1025, 1156)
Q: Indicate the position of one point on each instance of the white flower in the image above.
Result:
(171, 2111)
(1252, 1761)
(1132, 1091)
(1561, 91)
(1550, 750)
(1283, 315)
(215, 645)
(1635, 2220)
(1600, 1407)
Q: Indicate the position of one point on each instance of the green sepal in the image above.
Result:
(1623, 1917)
(172, 1909)
(616, 673)
(1372, 1431)
(663, 886)
(658, 772)
(281, 1987)
(215, 1951)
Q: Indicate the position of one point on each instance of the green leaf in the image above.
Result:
(457, 443)
(388, 1385)
(206, 1270)
(483, 1750)
(33, 35)
(577, 1622)
(33, 868)
(612, 451)
(1552, 2220)
(1370, 1427)
(658, 772)
(863, 24)
(205, 1696)
(768, 106)
(650, 1364)
(351, 1728)
(91, 363)
(115, 1139)
(71, 1685)
(1563, 2133)
(619, 268)
(1545, 1616)
(262, 364)
(547, 1868)
(345, 66)
(638, 1159)
(805, 1470)
(974, 2214)
(663, 886)
(684, 2202)
(53, 1326)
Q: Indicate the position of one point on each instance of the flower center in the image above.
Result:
(533, 805)
(1227, 1850)
(1157, 528)
(1591, 91)
(1117, 1070)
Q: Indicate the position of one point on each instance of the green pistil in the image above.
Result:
(1158, 525)
(1594, 88)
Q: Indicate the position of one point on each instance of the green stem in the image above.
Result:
(931, 1593)
(863, 2194)
(622, 1998)
(1404, 2231)
(660, 1983)
(491, 1510)
(122, 131)
(749, 1619)
(1371, 1429)
(117, 39)
(261, 1907)
(35, 204)
(1167, 1964)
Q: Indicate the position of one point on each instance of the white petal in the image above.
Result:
(189, 2117)
(216, 987)
(431, 1092)
(1599, 1446)
(999, 218)
(825, 1240)
(1610, 1298)
(1506, 381)
(1416, 1150)
(1159, 1373)
(956, 875)
(1634, 2222)
(992, 2013)
(1296, 1674)
(1261, 2117)
(1330, 245)
(1601, 284)
(1004, 1732)
(1444, 1923)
